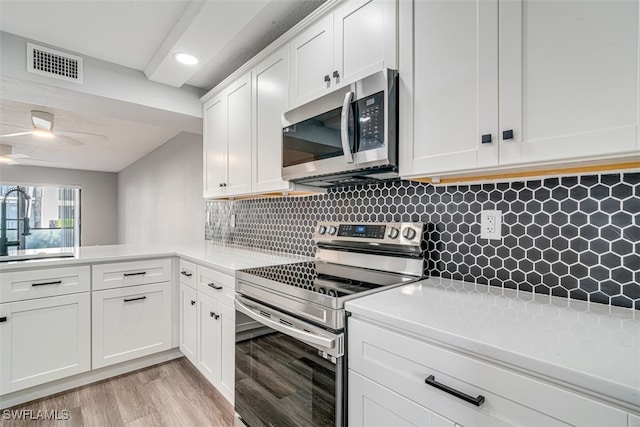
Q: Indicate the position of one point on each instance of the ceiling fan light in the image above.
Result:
(42, 120)
(4, 160)
(185, 58)
(42, 133)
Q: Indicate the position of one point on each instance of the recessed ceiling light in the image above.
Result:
(185, 58)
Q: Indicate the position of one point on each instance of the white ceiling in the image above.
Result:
(142, 35)
(125, 141)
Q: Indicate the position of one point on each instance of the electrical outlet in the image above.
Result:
(491, 224)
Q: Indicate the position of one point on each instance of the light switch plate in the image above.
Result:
(491, 224)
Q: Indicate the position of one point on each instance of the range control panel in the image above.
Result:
(396, 233)
(370, 231)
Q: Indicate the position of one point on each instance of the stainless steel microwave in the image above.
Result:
(346, 137)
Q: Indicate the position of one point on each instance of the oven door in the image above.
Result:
(288, 372)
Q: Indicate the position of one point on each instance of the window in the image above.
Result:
(39, 217)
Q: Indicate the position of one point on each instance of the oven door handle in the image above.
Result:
(287, 330)
(344, 127)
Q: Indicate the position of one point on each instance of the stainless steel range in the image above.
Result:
(290, 321)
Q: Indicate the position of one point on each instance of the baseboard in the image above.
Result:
(64, 384)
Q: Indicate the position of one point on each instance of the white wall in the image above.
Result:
(160, 196)
(99, 197)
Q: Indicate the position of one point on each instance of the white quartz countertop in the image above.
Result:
(592, 346)
(224, 258)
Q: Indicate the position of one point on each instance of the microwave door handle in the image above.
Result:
(307, 337)
(344, 127)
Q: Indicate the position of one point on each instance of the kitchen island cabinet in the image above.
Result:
(479, 355)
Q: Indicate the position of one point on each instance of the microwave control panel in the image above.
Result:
(371, 122)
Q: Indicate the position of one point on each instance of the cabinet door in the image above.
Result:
(271, 100)
(188, 322)
(239, 138)
(228, 351)
(44, 340)
(214, 146)
(312, 61)
(568, 79)
(371, 404)
(365, 38)
(209, 331)
(449, 88)
(130, 323)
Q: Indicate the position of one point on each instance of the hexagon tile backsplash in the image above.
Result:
(576, 237)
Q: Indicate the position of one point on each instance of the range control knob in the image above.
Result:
(322, 229)
(393, 233)
(409, 233)
(332, 230)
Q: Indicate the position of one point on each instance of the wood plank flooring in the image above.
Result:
(170, 394)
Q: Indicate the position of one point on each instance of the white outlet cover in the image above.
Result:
(491, 224)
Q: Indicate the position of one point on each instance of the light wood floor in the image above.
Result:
(170, 394)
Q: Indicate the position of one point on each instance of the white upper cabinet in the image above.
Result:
(215, 146)
(271, 99)
(227, 140)
(449, 88)
(356, 40)
(568, 79)
(312, 61)
(365, 38)
(486, 83)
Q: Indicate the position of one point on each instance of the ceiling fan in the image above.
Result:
(8, 157)
(42, 122)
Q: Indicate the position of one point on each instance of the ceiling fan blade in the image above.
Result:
(15, 134)
(73, 132)
(17, 156)
(70, 141)
(14, 126)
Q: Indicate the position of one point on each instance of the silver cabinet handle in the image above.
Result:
(287, 330)
(344, 127)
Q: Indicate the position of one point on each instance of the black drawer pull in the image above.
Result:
(186, 273)
(139, 273)
(431, 380)
(213, 285)
(336, 74)
(193, 302)
(214, 315)
(486, 138)
(507, 134)
(327, 78)
(134, 299)
(3, 319)
(57, 282)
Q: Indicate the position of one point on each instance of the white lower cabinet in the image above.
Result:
(371, 404)
(216, 338)
(43, 339)
(130, 322)
(400, 365)
(188, 322)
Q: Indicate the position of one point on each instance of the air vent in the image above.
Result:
(53, 63)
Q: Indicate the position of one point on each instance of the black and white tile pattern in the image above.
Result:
(576, 237)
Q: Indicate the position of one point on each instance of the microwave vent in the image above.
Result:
(54, 63)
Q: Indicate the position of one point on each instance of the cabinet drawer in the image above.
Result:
(29, 284)
(188, 273)
(402, 363)
(216, 285)
(130, 322)
(132, 273)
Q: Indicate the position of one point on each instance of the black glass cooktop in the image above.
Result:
(329, 279)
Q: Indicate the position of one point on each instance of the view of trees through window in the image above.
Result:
(37, 217)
